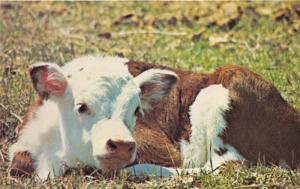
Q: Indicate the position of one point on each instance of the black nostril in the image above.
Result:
(111, 145)
(131, 149)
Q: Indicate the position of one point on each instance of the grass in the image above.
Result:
(263, 37)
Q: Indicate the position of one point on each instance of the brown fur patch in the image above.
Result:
(153, 146)
(22, 164)
(261, 125)
(30, 114)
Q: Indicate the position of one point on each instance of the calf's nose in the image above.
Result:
(121, 147)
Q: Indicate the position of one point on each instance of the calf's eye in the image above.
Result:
(83, 108)
(137, 110)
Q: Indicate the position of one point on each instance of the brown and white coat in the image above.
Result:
(207, 120)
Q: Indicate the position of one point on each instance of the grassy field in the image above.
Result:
(264, 37)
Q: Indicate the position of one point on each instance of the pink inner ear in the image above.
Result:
(53, 82)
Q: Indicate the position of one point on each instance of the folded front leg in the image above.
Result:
(49, 166)
(160, 171)
(151, 170)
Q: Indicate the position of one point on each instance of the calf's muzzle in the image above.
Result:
(113, 145)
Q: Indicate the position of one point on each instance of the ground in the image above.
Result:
(264, 37)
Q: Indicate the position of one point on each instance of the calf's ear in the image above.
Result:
(155, 84)
(48, 80)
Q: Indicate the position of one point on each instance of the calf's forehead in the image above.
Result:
(91, 67)
(96, 77)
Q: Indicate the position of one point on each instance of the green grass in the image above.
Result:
(265, 38)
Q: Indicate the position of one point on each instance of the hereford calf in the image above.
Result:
(205, 120)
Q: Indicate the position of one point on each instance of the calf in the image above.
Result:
(205, 120)
(86, 113)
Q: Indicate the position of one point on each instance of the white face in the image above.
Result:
(98, 100)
